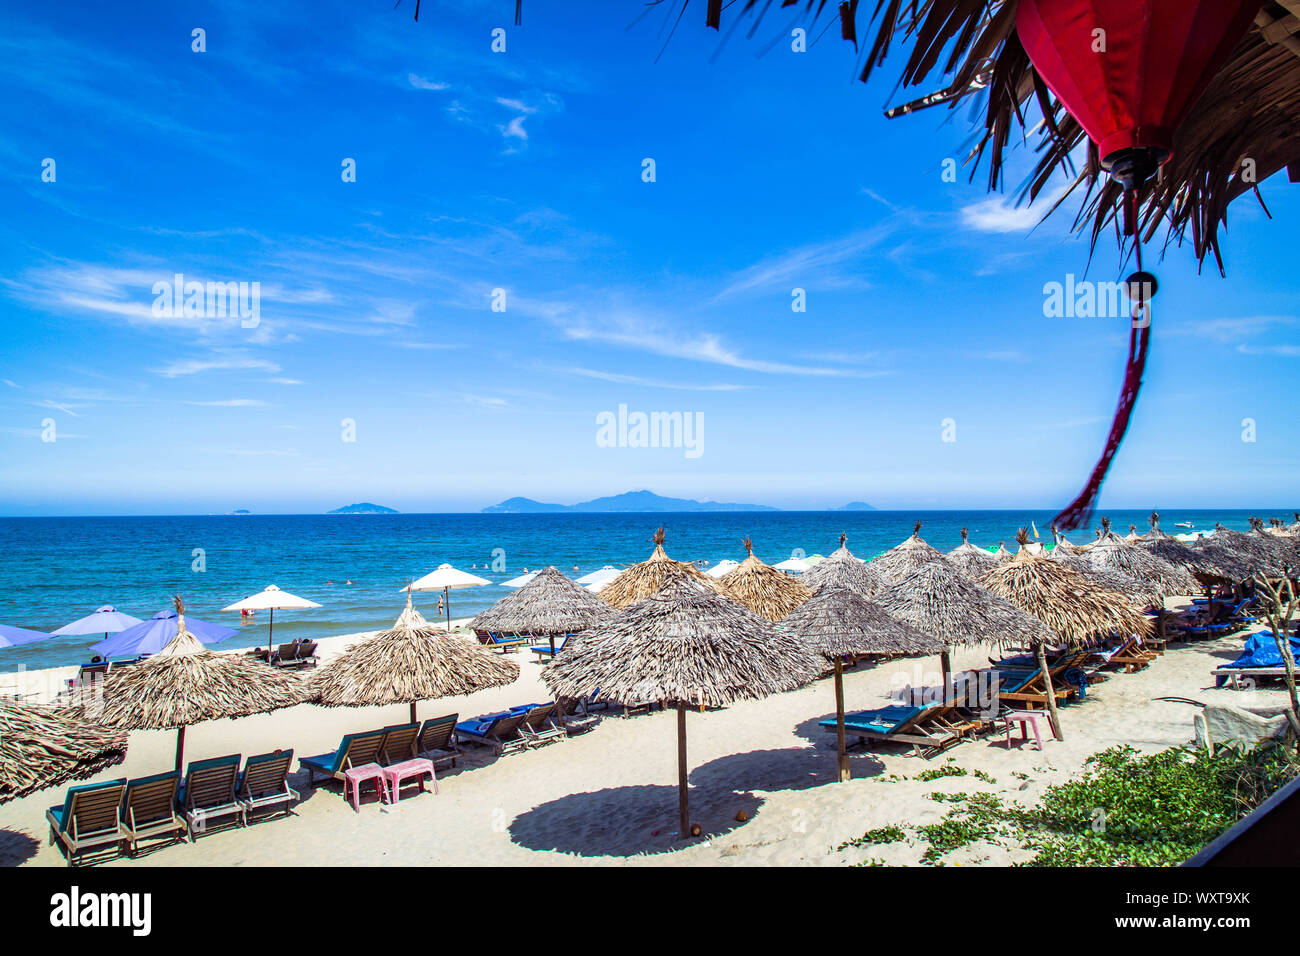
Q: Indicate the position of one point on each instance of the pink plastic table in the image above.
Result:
(415, 768)
(1024, 718)
(354, 777)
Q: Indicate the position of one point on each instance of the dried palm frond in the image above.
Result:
(763, 589)
(642, 580)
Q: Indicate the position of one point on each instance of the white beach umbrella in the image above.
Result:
(797, 565)
(272, 599)
(600, 577)
(444, 579)
(722, 567)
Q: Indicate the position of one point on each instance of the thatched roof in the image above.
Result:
(642, 580)
(1002, 554)
(900, 560)
(1110, 552)
(1200, 564)
(44, 747)
(1109, 579)
(1282, 547)
(1132, 535)
(412, 661)
(548, 604)
(842, 569)
(684, 644)
(764, 590)
(185, 683)
(838, 620)
(970, 560)
(938, 600)
(1066, 601)
(1241, 555)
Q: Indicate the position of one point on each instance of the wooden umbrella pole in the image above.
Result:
(414, 719)
(270, 635)
(839, 719)
(446, 596)
(1041, 655)
(683, 798)
(945, 662)
(180, 748)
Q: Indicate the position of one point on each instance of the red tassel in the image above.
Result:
(1078, 513)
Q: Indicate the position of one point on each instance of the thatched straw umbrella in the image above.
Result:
(1200, 564)
(1070, 604)
(642, 580)
(896, 563)
(410, 662)
(1132, 535)
(44, 747)
(1111, 553)
(1283, 549)
(548, 605)
(763, 589)
(185, 683)
(837, 621)
(842, 569)
(1002, 554)
(939, 600)
(970, 560)
(1241, 555)
(686, 645)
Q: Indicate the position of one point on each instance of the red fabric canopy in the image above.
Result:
(1158, 57)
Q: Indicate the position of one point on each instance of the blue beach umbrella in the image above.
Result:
(151, 636)
(14, 636)
(104, 620)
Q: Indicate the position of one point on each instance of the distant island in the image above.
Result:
(363, 508)
(241, 511)
(628, 502)
(857, 506)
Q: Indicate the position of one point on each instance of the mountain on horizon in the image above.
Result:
(362, 508)
(857, 506)
(628, 502)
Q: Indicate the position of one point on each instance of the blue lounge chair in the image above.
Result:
(354, 751)
(499, 731)
(927, 728)
(208, 792)
(88, 819)
(149, 809)
(264, 782)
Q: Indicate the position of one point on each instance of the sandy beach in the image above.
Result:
(609, 796)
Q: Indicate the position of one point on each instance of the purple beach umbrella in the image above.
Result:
(151, 636)
(15, 636)
(104, 620)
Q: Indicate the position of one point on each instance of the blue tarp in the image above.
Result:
(1262, 651)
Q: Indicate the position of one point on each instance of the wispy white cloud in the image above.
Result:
(1001, 214)
(231, 403)
(651, 383)
(420, 83)
(181, 367)
(822, 265)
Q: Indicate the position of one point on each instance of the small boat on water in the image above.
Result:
(1183, 524)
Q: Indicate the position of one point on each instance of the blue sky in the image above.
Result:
(522, 171)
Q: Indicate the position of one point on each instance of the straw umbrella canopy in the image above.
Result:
(1111, 553)
(1070, 604)
(1132, 535)
(445, 578)
(1002, 554)
(763, 589)
(901, 559)
(686, 645)
(43, 747)
(970, 560)
(548, 605)
(1282, 548)
(271, 598)
(839, 620)
(185, 683)
(1200, 564)
(1134, 589)
(1241, 555)
(939, 600)
(410, 662)
(642, 580)
(843, 569)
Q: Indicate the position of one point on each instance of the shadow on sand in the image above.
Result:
(625, 821)
(17, 847)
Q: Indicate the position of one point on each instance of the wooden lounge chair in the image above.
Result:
(208, 793)
(149, 809)
(265, 783)
(88, 675)
(498, 731)
(398, 743)
(297, 654)
(574, 715)
(505, 642)
(437, 740)
(355, 750)
(1069, 679)
(539, 725)
(88, 820)
(922, 727)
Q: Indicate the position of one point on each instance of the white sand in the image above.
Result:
(611, 793)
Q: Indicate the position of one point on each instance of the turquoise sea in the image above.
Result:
(56, 570)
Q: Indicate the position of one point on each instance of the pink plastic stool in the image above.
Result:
(1024, 718)
(354, 777)
(406, 770)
